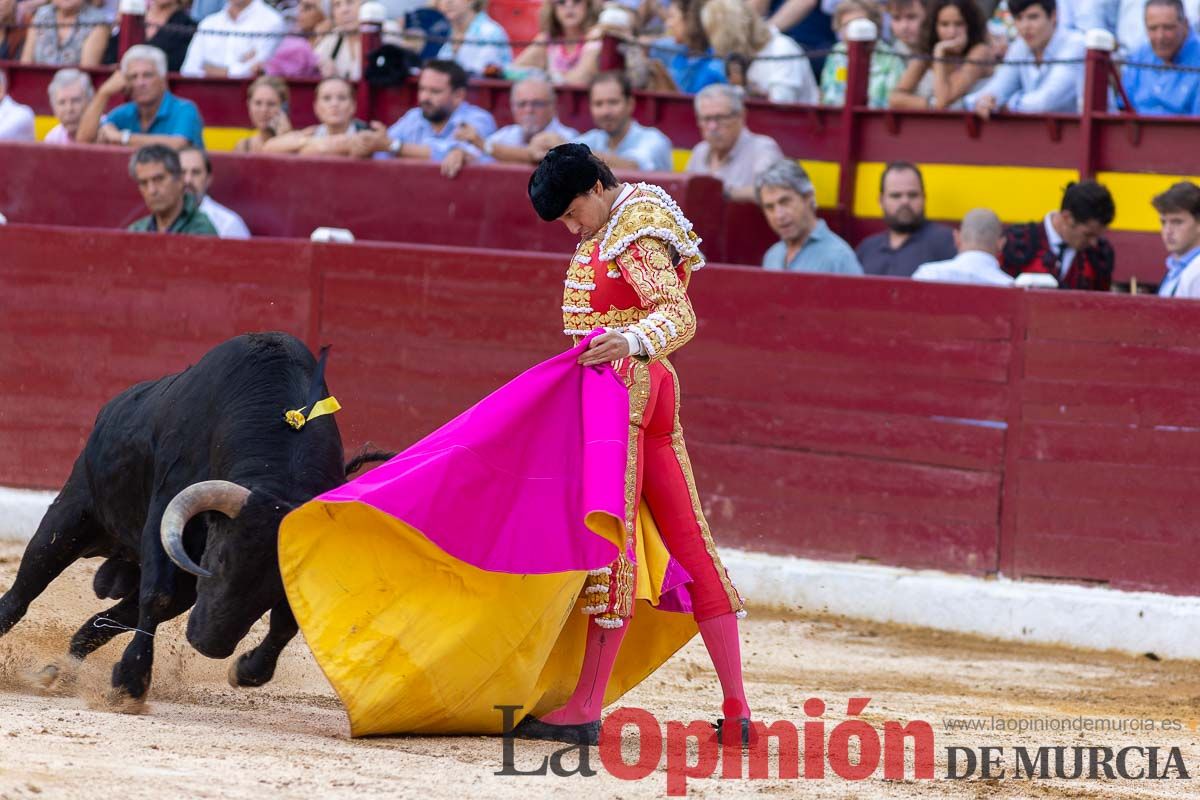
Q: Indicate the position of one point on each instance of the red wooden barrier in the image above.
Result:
(964, 428)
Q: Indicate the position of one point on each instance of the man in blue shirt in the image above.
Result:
(788, 201)
(1179, 209)
(1172, 44)
(618, 139)
(152, 116)
(427, 131)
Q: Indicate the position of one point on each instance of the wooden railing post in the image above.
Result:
(371, 17)
(860, 43)
(132, 24)
(1097, 68)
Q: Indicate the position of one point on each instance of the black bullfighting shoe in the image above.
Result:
(533, 728)
(748, 736)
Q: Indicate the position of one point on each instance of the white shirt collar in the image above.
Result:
(626, 190)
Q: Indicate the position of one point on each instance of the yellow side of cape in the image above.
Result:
(414, 640)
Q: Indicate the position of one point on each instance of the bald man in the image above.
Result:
(980, 239)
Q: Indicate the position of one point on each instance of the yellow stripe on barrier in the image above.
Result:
(1133, 194)
(1016, 194)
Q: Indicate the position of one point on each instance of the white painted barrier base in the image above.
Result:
(1048, 613)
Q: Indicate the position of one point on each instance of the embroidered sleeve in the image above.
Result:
(647, 264)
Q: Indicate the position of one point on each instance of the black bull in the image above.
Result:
(161, 441)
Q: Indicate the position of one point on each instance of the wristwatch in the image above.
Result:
(395, 146)
(125, 134)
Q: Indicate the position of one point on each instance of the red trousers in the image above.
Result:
(665, 481)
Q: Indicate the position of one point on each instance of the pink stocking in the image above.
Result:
(720, 636)
(598, 658)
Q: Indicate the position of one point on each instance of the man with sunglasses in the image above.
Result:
(535, 127)
(729, 151)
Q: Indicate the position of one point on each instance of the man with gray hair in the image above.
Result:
(535, 127)
(1159, 88)
(70, 91)
(152, 116)
(980, 239)
(788, 201)
(16, 120)
(729, 152)
(159, 176)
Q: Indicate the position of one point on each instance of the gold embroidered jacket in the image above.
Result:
(633, 275)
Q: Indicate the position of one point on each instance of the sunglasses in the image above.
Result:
(563, 3)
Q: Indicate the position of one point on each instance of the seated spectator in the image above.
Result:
(295, 57)
(168, 27)
(1179, 210)
(16, 120)
(235, 41)
(477, 42)
(618, 139)
(907, 21)
(886, 66)
(805, 244)
(1124, 19)
(777, 68)
(729, 151)
(66, 33)
(685, 49)
(340, 50)
(156, 170)
(197, 178)
(70, 91)
(954, 30)
(560, 49)
(334, 106)
(12, 29)
(427, 131)
(1019, 85)
(805, 21)
(910, 240)
(1172, 44)
(267, 104)
(980, 239)
(1069, 243)
(152, 116)
(535, 123)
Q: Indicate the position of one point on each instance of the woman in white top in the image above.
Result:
(778, 68)
(339, 52)
(477, 42)
(954, 34)
(334, 106)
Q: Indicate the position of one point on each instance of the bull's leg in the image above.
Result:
(256, 667)
(90, 638)
(165, 593)
(64, 534)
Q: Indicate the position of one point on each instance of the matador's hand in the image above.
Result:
(607, 347)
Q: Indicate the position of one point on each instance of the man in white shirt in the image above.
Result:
(197, 177)
(534, 129)
(233, 41)
(980, 239)
(16, 120)
(1179, 210)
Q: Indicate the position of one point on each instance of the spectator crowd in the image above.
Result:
(1013, 56)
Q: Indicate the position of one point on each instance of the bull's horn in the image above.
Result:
(223, 496)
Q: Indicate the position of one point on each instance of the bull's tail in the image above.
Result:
(367, 454)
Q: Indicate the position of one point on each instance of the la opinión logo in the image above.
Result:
(677, 741)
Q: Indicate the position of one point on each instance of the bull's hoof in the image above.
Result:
(118, 700)
(241, 673)
(47, 677)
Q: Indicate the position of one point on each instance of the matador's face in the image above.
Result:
(587, 214)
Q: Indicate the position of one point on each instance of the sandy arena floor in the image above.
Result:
(201, 738)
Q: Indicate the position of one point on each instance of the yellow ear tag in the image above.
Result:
(297, 419)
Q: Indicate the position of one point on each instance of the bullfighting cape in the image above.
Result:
(447, 581)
